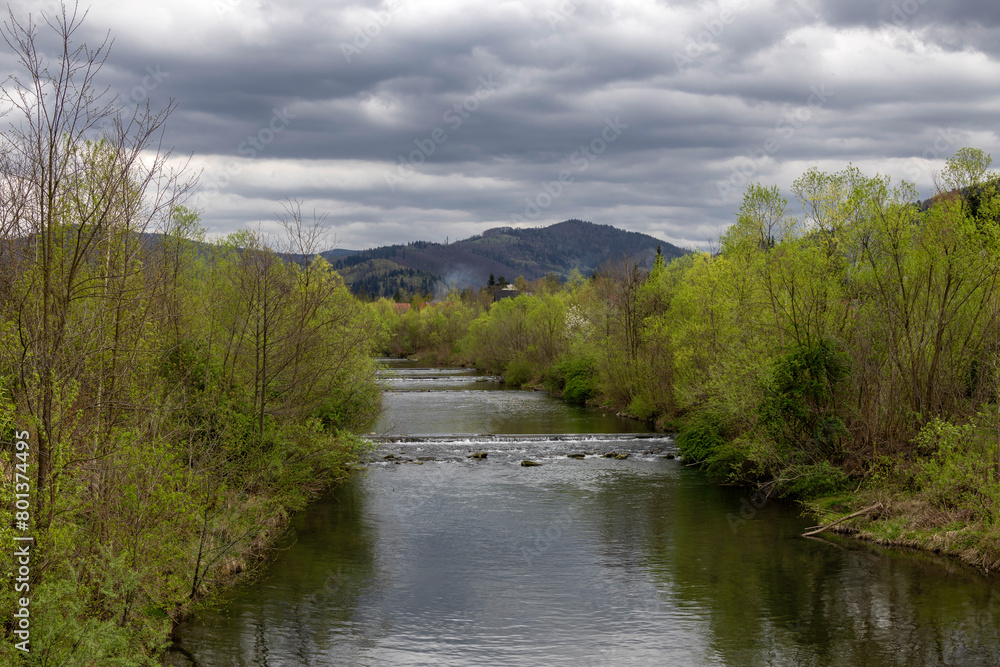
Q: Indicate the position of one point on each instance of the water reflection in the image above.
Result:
(771, 597)
(305, 598)
(472, 411)
(578, 562)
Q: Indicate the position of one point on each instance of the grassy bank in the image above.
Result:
(945, 498)
(906, 520)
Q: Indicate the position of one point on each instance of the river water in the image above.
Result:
(429, 557)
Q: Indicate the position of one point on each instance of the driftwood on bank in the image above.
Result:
(820, 529)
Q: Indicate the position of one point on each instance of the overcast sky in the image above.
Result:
(425, 120)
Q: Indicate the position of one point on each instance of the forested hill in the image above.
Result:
(503, 251)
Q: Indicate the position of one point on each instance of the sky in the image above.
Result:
(434, 121)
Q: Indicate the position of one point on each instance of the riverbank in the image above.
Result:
(591, 559)
(248, 557)
(944, 502)
(849, 352)
(902, 518)
(242, 567)
(905, 520)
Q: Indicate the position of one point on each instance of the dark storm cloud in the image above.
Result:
(956, 26)
(409, 120)
(873, 14)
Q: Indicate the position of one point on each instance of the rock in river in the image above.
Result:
(526, 463)
(477, 455)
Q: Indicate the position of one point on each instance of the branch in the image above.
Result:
(820, 529)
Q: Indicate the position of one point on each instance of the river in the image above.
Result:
(430, 557)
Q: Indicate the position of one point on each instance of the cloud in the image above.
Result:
(705, 87)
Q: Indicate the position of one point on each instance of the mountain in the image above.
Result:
(503, 251)
(975, 196)
(338, 252)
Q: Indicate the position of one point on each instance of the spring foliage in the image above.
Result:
(181, 397)
(823, 339)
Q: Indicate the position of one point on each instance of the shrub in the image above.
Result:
(575, 377)
(798, 402)
(812, 481)
(731, 463)
(518, 371)
(641, 407)
(701, 439)
(960, 471)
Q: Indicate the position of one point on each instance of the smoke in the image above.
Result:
(458, 278)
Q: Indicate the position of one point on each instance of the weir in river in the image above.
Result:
(621, 556)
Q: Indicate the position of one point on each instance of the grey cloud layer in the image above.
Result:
(708, 90)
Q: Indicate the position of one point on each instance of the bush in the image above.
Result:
(960, 471)
(518, 371)
(731, 463)
(641, 407)
(575, 377)
(798, 404)
(701, 439)
(748, 458)
(813, 481)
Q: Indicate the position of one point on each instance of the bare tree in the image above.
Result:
(73, 212)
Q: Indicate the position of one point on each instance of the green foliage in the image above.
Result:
(642, 407)
(701, 438)
(575, 377)
(180, 398)
(518, 372)
(962, 466)
(705, 440)
(70, 630)
(523, 336)
(812, 480)
(433, 332)
(173, 464)
(798, 402)
(733, 462)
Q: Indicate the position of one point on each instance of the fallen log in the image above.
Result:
(820, 529)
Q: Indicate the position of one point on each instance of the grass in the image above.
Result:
(908, 520)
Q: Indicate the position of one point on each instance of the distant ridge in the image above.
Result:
(510, 252)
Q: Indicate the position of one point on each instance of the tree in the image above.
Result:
(71, 206)
(967, 175)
